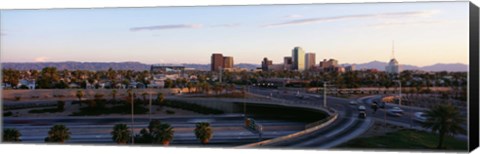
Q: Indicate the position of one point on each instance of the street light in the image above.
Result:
(133, 131)
(400, 91)
(325, 95)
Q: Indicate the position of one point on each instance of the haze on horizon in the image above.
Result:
(425, 33)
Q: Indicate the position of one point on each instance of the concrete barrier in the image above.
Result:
(332, 118)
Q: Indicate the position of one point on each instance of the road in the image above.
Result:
(228, 129)
(346, 127)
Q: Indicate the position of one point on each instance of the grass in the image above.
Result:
(406, 139)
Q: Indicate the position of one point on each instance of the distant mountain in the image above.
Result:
(95, 66)
(456, 67)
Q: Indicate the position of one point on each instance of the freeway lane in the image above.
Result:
(346, 127)
(228, 130)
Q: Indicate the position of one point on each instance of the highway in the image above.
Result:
(228, 129)
(346, 127)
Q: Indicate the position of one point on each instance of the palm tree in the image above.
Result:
(160, 98)
(144, 96)
(203, 132)
(156, 133)
(444, 119)
(121, 134)
(11, 135)
(114, 93)
(58, 133)
(163, 133)
(79, 95)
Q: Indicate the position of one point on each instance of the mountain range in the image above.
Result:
(453, 67)
(70, 65)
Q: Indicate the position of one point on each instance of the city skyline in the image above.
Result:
(254, 32)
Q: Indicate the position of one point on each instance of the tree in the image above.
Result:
(114, 93)
(58, 133)
(203, 132)
(156, 133)
(11, 135)
(144, 96)
(79, 95)
(121, 134)
(60, 105)
(160, 98)
(444, 120)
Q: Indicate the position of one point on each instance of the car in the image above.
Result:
(395, 111)
(362, 114)
(362, 108)
(353, 102)
(421, 117)
(381, 105)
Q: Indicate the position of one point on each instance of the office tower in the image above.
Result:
(217, 62)
(287, 63)
(298, 58)
(266, 64)
(309, 61)
(227, 62)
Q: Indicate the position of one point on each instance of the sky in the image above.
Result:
(423, 33)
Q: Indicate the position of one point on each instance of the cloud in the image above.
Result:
(348, 17)
(226, 25)
(40, 59)
(165, 27)
(388, 24)
(294, 16)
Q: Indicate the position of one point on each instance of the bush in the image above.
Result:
(8, 114)
(47, 110)
(61, 105)
(192, 107)
(170, 112)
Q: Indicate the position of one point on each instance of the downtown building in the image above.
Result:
(309, 61)
(298, 59)
(220, 62)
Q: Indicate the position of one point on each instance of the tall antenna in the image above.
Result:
(393, 49)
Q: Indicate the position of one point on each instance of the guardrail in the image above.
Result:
(313, 128)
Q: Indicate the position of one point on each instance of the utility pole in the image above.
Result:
(133, 131)
(150, 107)
(245, 102)
(325, 95)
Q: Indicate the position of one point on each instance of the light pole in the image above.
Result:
(133, 131)
(325, 95)
(400, 92)
(150, 107)
(245, 102)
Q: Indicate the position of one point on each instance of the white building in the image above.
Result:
(392, 67)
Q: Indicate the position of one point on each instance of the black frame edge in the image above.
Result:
(473, 126)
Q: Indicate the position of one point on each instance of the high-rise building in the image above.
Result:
(266, 64)
(227, 62)
(287, 63)
(217, 62)
(309, 60)
(298, 58)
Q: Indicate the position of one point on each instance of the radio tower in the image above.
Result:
(393, 50)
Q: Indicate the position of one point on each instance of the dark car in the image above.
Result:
(381, 105)
(362, 114)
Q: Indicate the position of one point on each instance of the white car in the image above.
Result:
(420, 117)
(362, 108)
(353, 102)
(395, 111)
